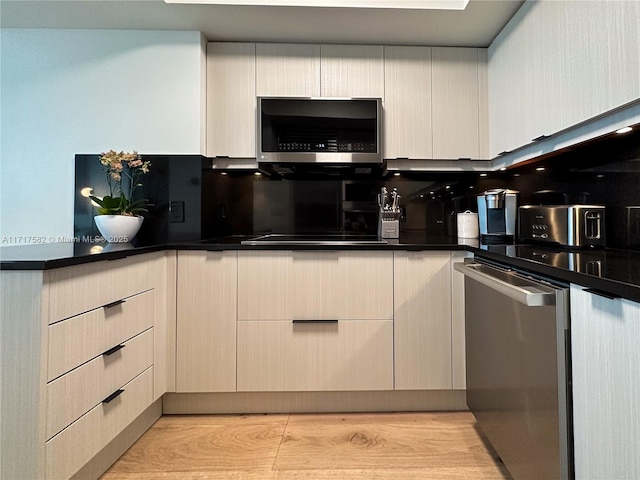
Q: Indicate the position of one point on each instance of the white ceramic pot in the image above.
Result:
(118, 228)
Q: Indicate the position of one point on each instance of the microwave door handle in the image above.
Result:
(530, 298)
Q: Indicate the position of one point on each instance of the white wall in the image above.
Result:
(85, 91)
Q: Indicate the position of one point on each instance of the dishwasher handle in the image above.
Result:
(530, 295)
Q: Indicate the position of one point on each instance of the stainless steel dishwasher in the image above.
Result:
(519, 367)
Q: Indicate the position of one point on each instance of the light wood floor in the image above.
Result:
(438, 446)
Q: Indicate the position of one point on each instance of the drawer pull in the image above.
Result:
(315, 321)
(113, 396)
(112, 350)
(114, 304)
(601, 293)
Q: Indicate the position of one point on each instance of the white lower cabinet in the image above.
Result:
(83, 337)
(315, 285)
(315, 320)
(72, 395)
(206, 321)
(422, 320)
(458, 344)
(88, 347)
(68, 451)
(605, 335)
(344, 355)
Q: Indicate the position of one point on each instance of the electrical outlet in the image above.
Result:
(632, 225)
(176, 211)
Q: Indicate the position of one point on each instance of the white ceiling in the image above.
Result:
(476, 26)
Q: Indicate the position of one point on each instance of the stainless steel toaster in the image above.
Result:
(567, 225)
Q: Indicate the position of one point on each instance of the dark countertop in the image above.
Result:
(615, 272)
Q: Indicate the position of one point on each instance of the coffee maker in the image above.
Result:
(497, 212)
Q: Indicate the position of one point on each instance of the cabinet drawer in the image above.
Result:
(79, 339)
(78, 289)
(307, 285)
(68, 451)
(341, 356)
(72, 395)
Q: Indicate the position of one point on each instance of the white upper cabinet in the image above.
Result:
(557, 64)
(435, 100)
(352, 71)
(456, 105)
(407, 105)
(435, 103)
(231, 100)
(285, 69)
(599, 45)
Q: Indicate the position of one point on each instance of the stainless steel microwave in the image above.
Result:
(319, 130)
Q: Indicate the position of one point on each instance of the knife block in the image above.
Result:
(388, 228)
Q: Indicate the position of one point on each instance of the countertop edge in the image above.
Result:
(608, 285)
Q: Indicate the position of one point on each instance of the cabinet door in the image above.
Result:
(72, 290)
(352, 71)
(557, 64)
(456, 103)
(264, 285)
(73, 447)
(315, 285)
(75, 393)
(600, 51)
(206, 322)
(458, 354)
(525, 77)
(231, 100)
(407, 103)
(77, 340)
(605, 335)
(342, 356)
(284, 69)
(422, 321)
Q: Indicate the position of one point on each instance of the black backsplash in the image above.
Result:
(171, 178)
(604, 171)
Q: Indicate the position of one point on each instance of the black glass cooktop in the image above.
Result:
(322, 239)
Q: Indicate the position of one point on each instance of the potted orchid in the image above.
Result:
(119, 214)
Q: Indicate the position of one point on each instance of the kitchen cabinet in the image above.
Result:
(319, 70)
(352, 71)
(557, 64)
(422, 320)
(344, 355)
(459, 104)
(407, 106)
(434, 107)
(206, 321)
(69, 451)
(73, 394)
(239, 72)
(599, 44)
(315, 320)
(287, 70)
(523, 88)
(315, 285)
(605, 334)
(86, 356)
(231, 100)
(435, 103)
(458, 356)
